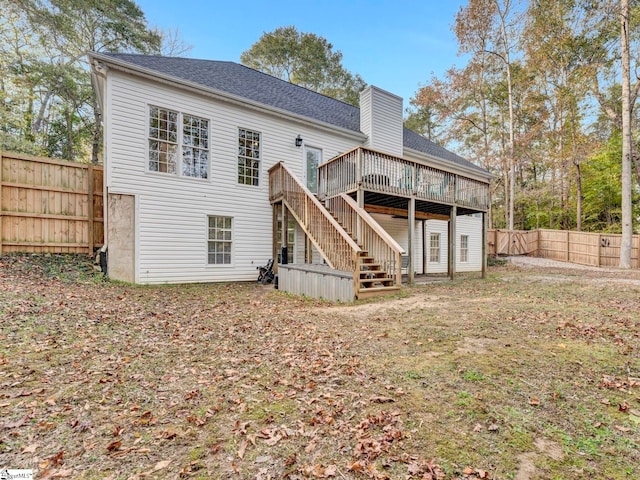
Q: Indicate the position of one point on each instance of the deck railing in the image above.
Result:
(379, 172)
(368, 233)
(340, 251)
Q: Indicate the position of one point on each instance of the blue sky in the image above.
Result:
(393, 45)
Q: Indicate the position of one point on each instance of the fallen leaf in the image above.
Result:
(468, 471)
(382, 400)
(622, 429)
(15, 423)
(62, 473)
(158, 466)
(242, 449)
(534, 401)
(30, 448)
(115, 445)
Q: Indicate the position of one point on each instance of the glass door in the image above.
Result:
(312, 158)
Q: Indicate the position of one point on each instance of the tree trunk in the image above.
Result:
(96, 141)
(578, 196)
(627, 217)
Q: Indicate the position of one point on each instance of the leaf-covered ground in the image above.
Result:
(528, 374)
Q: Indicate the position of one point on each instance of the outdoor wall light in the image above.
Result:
(298, 141)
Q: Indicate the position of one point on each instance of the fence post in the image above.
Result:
(568, 249)
(1, 231)
(598, 261)
(90, 211)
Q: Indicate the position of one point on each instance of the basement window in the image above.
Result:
(464, 248)
(434, 247)
(219, 240)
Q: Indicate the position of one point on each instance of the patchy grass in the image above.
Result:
(530, 373)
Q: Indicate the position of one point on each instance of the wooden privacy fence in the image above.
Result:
(594, 249)
(49, 205)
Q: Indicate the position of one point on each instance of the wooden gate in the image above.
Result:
(515, 242)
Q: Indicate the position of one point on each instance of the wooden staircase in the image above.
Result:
(346, 236)
(373, 280)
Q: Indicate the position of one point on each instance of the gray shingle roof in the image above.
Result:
(244, 82)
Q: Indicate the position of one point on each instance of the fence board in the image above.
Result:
(584, 248)
(49, 205)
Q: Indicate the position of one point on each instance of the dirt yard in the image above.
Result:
(531, 373)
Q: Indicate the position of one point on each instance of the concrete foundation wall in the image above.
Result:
(121, 237)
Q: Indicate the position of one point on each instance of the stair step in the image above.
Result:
(367, 260)
(376, 282)
(370, 266)
(377, 292)
(373, 274)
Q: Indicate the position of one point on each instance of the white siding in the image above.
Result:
(398, 228)
(171, 234)
(466, 225)
(381, 120)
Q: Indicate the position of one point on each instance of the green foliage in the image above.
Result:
(305, 59)
(602, 189)
(47, 104)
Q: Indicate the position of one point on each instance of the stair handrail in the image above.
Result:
(366, 216)
(369, 234)
(302, 217)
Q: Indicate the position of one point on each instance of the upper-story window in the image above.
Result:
(249, 144)
(178, 151)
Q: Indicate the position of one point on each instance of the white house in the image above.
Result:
(206, 160)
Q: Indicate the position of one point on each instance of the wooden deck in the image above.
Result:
(388, 183)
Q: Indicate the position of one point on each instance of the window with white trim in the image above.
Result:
(248, 157)
(291, 240)
(464, 248)
(220, 240)
(178, 151)
(434, 247)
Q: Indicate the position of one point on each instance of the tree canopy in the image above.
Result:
(47, 104)
(305, 59)
(537, 102)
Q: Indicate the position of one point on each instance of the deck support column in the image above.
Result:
(452, 242)
(484, 244)
(424, 246)
(412, 234)
(359, 194)
(274, 236)
(284, 236)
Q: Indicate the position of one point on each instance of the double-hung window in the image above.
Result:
(249, 143)
(434, 247)
(178, 143)
(219, 240)
(464, 248)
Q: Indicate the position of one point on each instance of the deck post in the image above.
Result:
(90, 211)
(274, 236)
(424, 246)
(284, 235)
(485, 239)
(452, 242)
(412, 233)
(359, 193)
